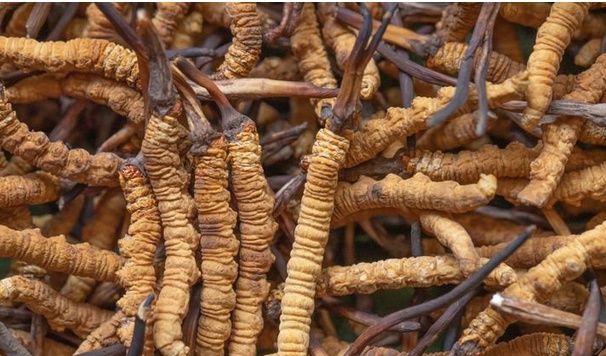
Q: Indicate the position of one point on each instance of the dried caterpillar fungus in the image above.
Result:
(163, 166)
(454, 133)
(565, 264)
(189, 30)
(98, 26)
(552, 39)
(219, 248)
(418, 192)
(59, 312)
(588, 53)
(167, 18)
(103, 335)
(312, 59)
(457, 20)
(31, 189)
(54, 157)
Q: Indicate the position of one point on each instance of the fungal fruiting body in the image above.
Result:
(219, 248)
(311, 235)
(168, 181)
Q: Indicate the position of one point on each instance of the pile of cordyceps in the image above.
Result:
(331, 179)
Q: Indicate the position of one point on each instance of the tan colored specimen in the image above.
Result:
(453, 133)
(98, 26)
(31, 189)
(103, 335)
(54, 157)
(457, 20)
(588, 52)
(167, 18)
(60, 312)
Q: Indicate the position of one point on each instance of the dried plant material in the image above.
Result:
(526, 14)
(565, 264)
(60, 312)
(588, 52)
(98, 26)
(457, 20)
(278, 68)
(559, 138)
(163, 166)
(54, 157)
(188, 31)
(219, 248)
(64, 221)
(485, 230)
(507, 41)
(139, 245)
(341, 42)
(51, 346)
(418, 192)
(16, 26)
(167, 18)
(534, 344)
(31, 189)
(245, 25)
(103, 335)
(84, 55)
(118, 97)
(55, 254)
(417, 272)
(543, 64)
(449, 56)
(311, 235)
(454, 133)
(312, 59)
(453, 236)
(378, 134)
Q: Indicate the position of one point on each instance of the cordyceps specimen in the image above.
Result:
(317, 204)
(254, 202)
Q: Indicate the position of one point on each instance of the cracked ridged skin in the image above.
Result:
(312, 59)
(56, 254)
(560, 138)
(454, 133)
(537, 344)
(449, 56)
(531, 253)
(255, 203)
(16, 167)
(576, 186)
(415, 272)
(588, 53)
(102, 335)
(54, 157)
(341, 41)
(84, 55)
(188, 31)
(219, 248)
(541, 281)
(98, 26)
(418, 192)
(167, 18)
(452, 236)
(377, 134)
(169, 181)
(467, 166)
(311, 235)
(118, 97)
(544, 62)
(246, 28)
(139, 245)
(525, 14)
(100, 231)
(60, 312)
(485, 230)
(457, 20)
(31, 189)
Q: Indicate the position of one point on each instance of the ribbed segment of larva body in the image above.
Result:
(60, 312)
(219, 248)
(255, 203)
(306, 44)
(452, 236)
(560, 138)
(118, 97)
(85, 55)
(167, 18)
(454, 133)
(163, 166)
(311, 235)
(543, 64)
(587, 183)
(411, 272)
(56, 254)
(487, 230)
(449, 56)
(534, 344)
(31, 189)
(564, 265)
(466, 166)
(54, 157)
(418, 192)
(103, 334)
(531, 253)
(247, 31)
(457, 20)
(526, 14)
(188, 31)
(341, 41)
(139, 245)
(98, 26)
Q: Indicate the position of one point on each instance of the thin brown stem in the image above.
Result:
(482, 72)
(37, 18)
(288, 22)
(583, 342)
